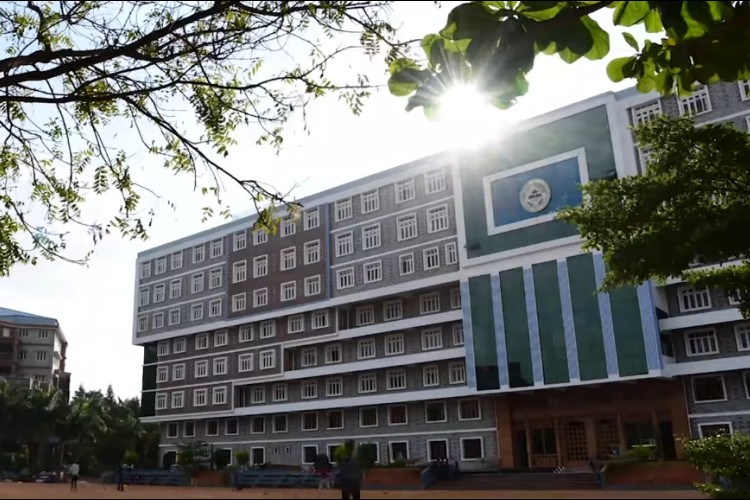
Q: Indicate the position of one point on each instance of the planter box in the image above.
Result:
(664, 474)
(211, 478)
(387, 476)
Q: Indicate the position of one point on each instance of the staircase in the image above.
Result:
(564, 480)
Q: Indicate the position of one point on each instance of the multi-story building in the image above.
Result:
(438, 309)
(32, 350)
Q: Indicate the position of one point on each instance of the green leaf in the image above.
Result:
(540, 11)
(698, 17)
(428, 41)
(406, 76)
(600, 38)
(471, 20)
(630, 13)
(630, 39)
(652, 21)
(620, 68)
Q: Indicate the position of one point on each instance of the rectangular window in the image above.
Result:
(437, 219)
(159, 293)
(334, 387)
(430, 376)
(161, 404)
(709, 388)
(319, 320)
(431, 258)
(260, 297)
(370, 201)
(162, 348)
(267, 360)
(221, 338)
(646, 112)
(219, 395)
(201, 369)
(201, 341)
(245, 333)
(288, 291)
(368, 383)
(212, 427)
(395, 380)
(457, 373)
(239, 240)
(288, 259)
(434, 412)
(258, 395)
(717, 429)
(472, 449)
(312, 252)
(393, 310)
(399, 450)
(267, 329)
(365, 315)
(173, 428)
(200, 397)
(214, 308)
(405, 190)
(196, 312)
(310, 421)
(199, 254)
(260, 266)
(335, 419)
(692, 299)
(345, 278)
(239, 271)
(458, 334)
(178, 399)
(217, 248)
(258, 425)
(158, 321)
(406, 227)
(701, 343)
(742, 334)
(160, 266)
(406, 264)
(245, 362)
(469, 409)
(145, 270)
(366, 349)
(371, 237)
(143, 297)
(175, 288)
(279, 392)
(333, 354)
(434, 181)
(41, 356)
(231, 427)
(432, 338)
(344, 244)
(394, 344)
(372, 272)
(309, 357)
(177, 260)
(239, 302)
(429, 303)
(196, 283)
(312, 285)
(456, 298)
(344, 209)
(398, 415)
(220, 366)
(288, 227)
(309, 389)
(695, 104)
(451, 254)
(280, 423)
(744, 89)
(295, 324)
(260, 236)
(368, 417)
(179, 345)
(162, 373)
(312, 218)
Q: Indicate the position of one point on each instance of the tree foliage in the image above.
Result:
(692, 205)
(180, 81)
(726, 458)
(494, 45)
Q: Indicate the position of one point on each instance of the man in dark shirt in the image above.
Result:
(350, 479)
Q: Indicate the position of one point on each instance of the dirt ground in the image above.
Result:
(89, 490)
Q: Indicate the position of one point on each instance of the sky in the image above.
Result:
(94, 303)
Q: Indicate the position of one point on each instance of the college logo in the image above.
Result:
(535, 195)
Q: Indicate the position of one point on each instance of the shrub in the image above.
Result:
(242, 457)
(344, 451)
(131, 458)
(399, 462)
(221, 458)
(726, 458)
(641, 453)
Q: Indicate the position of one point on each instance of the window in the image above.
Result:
(288, 291)
(239, 240)
(161, 403)
(368, 382)
(245, 333)
(456, 298)
(429, 303)
(217, 248)
(742, 334)
(201, 369)
(196, 283)
(258, 395)
(646, 112)
(312, 218)
(334, 387)
(143, 297)
(158, 320)
(432, 338)
(260, 236)
(697, 103)
(371, 237)
(406, 227)
(162, 348)
(310, 421)
(395, 380)
(200, 397)
(196, 312)
(434, 412)
(219, 395)
(212, 428)
(398, 415)
(644, 158)
(405, 190)
(288, 259)
(332, 354)
(295, 324)
(312, 252)
(175, 288)
(260, 266)
(309, 389)
(22, 357)
(345, 278)
(280, 423)
(710, 430)
(437, 219)
(159, 293)
(431, 259)
(392, 310)
(451, 254)
(457, 373)
(458, 334)
(709, 388)
(220, 366)
(258, 425)
(406, 264)
(239, 271)
(319, 320)
(701, 343)
(267, 360)
(744, 89)
(245, 362)
(312, 285)
(143, 323)
(344, 244)
(145, 270)
(394, 344)
(344, 209)
(288, 227)
(692, 299)
(221, 338)
(173, 429)
(178, 372)
(469, 409)
(399, 450)
(368, 417)
(260, 297)
(214, 308)
(232, 427)
(177, 260)
(178, 399)
(472, 449)
(309, 357)
(267, 329)
(179, 345)
(201, 341)
(434, 181)
(162, 373)
(370, 201)
(335, 419)
(372, 271)
(430, 376)
(199, 254)
(41, 356)
(365, 315)
(239, 302)
(160, 266)
(309, 453)
(279, 392)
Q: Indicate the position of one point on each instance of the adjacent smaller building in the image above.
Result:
(32, 350)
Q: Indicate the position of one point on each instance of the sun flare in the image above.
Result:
(467, 118)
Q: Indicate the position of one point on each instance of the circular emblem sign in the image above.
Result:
(535, 195)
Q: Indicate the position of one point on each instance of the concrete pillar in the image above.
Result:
(504, 425)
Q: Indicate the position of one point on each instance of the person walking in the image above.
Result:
(121, 477)
(350, 479)
(74, 470)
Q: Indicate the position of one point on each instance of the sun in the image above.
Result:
(467, 118)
